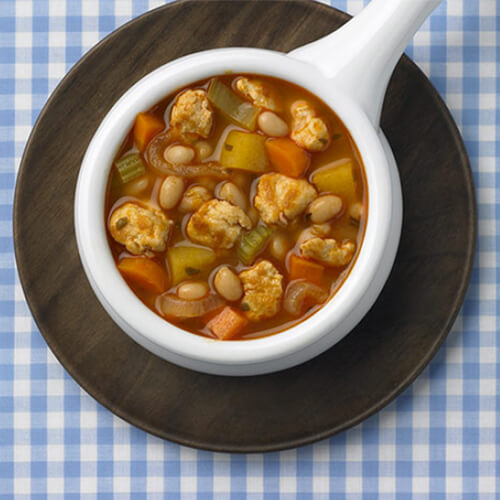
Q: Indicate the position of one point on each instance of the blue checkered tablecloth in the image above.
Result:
(439, 439)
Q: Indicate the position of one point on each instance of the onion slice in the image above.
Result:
(300, 295)
(154, 157)
(174, 307)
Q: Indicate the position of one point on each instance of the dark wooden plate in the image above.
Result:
(331, 393)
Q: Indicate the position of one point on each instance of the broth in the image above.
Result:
(332, 182)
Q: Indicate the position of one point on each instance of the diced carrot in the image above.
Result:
(227, 324)
(145, 128)
(287, 157)
(145, 273)
(305, 269)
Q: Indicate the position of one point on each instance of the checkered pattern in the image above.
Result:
(440, 438)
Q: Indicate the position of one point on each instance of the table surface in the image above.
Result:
(439, 437)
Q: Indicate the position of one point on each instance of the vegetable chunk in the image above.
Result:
(301, 295)
(235, 108)
(145, 273)
(140, 230)
(245, 151)
(186, 261)
(173, 306)
(337, 178)
(286, 157)
(252, 243)
(262, 284)
(305, 269)
(130, 167)
(227, 324)
(146, 126)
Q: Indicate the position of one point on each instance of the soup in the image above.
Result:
(236, 207)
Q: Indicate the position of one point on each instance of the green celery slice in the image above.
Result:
(252, 243)
(235, 108)
(130, 167)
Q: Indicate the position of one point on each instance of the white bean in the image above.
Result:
(231, 193)
(178, 154)
(253, 214)
(203, 149)
(324, 208)
(318, 230)
(271, 124)
(279, 246)
(227, 284)
(137, 186)
(305, 235)
(240, 179)
(193, 199)
(171, 192)
(322, 230)
(208, 182)
(192, 290)
(356, 211)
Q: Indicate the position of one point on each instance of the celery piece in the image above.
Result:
(252, 243)
(130, 167)
(241, 112)
(186, 261)
(245, 151)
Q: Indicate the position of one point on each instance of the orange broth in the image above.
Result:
(343, 227)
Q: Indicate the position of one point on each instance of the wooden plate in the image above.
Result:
(331, 393)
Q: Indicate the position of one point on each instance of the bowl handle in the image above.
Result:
(361, 55)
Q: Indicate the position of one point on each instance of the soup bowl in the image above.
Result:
(349, 70)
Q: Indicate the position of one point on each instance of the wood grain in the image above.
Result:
(336, 390)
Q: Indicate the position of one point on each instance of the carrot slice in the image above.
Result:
(145, 273)
(145, 128)
(227, 324)
(287, 157)
(305, 269)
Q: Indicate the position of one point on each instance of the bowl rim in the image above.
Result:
(112, 290)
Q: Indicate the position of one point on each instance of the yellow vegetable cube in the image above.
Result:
(245, 151)
(337, 178)
(187, 261)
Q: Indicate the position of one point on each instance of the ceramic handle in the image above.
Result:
(360, 56)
